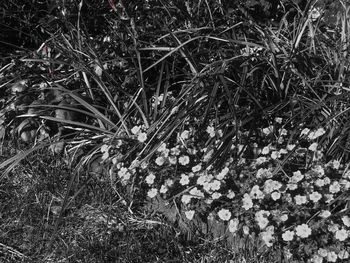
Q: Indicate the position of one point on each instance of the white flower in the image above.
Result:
(202, 179)
(333, 228)
(271, 185)
(275, 195)
(303, 230)
(312, 135)
(247, 202)
(196, 168)
(184, 179)
(316, 259)
(105, 148)
(215, 185)
(325, 214)
(135, 130)
(304, 131)
(189, 214)
(341, 234)
(345, 184)
(208, 201)
(164, 152)
(230, 194)
(292, 186)
(322, 252)
(320, 132)
(169, 182)
(185, 199)
(142, 137)
(290, 147)
(284, 217)
(314, 14)
(267, 130)
(332, 256)
(343, 254)
(222, 174)
(315, 196)
(172, 160)
(185, 135)
(287, 253)
(265, 150)
(184, 160)
(134, 164)
(220, 133)
(124, 174)
(267, 236)
(162, 147)
(262, 172)
(195, 192)
(143, 165)
(261, 218)
(280, 141)
(261, 160)
(207, 187)
(255, 193)
(319, 182)
(163, 189)
(224, 214)
(334, 187)
(106, 39)
(275, 155)
(313, 146)
(283, 151)
(160, 161)
(98, 70)
(150, 178)
(326, 180)
(233, 225)
(297, 177)
(288, 197)
(175, 151)
(152, 192)
(283, 132)
(174, 110)
(300, 199)
(319, 170)
(278, 120)
(336, 164)
(211, 131)
(245, 230)
(208, 155)
(215, 195)
(288, 235)
(346, 220)
(346, 175)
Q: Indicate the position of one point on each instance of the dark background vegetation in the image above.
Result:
(26, 24)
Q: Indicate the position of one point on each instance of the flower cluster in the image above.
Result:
(139, 133)
(285, 194)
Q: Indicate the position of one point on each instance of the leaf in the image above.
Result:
(159, 205)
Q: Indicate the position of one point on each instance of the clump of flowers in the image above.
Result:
(284, 194)
(139, 133)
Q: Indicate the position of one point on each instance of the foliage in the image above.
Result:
(229, 125)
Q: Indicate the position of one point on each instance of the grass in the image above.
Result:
(96, 226)
(192, 133)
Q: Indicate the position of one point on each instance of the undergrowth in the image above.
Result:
(181, 131)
